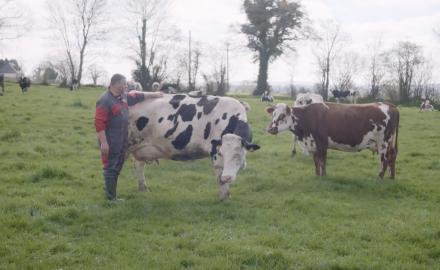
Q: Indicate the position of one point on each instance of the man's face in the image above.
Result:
(120, 87)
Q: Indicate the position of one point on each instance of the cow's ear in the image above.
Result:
(270, 109)
(251, 147)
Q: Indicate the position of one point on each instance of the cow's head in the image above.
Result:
(231, 157)
(281, 118)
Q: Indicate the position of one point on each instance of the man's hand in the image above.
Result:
(155, 95)
(104, 149)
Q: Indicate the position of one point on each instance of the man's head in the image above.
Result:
(118, 84)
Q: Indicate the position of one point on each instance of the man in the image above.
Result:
(111, 123)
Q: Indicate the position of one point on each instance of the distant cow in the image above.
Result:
(24, 83)
(340, 94)
(74, 85)
(266, 97)
(168, 88)
(342, 127)
(180, 127)
(426, 106)
(304, 99)
(133, 85)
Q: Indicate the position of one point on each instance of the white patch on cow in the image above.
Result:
(304, 99)
(308, 145)
(384, 108)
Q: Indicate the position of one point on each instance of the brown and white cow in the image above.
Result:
(350, 128)
(180, 127)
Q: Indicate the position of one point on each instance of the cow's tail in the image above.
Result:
(246, 105)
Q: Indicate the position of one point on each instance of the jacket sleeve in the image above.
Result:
(134, 97)
(101, 116)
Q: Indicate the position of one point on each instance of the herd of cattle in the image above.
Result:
(184, 127)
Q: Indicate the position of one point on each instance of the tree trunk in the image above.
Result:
(262, 84)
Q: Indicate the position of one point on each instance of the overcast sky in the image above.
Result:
(210, 23)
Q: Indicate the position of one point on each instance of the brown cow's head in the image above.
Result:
(281, 118)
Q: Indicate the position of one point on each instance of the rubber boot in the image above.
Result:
(110, 187)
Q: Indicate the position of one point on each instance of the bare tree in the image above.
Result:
(327, 46)
(96, 72)
(13, 20)
(79, 24)
(346, 68)
(376, 68)
(401, 63)
(153, 38)
(423, 86)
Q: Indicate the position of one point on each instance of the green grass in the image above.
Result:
(53, 214)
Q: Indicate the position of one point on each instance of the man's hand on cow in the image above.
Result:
(154, 95)
(104, 149)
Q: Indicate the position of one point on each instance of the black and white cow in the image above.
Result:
(180, 127)
(266, 97)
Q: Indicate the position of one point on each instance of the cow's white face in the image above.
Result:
(281, 118)
(232, 153)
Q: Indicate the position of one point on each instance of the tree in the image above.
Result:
(328, 44)
(346, 68)
(79, 24)
(402, 62)
(95, 73)
(13, 22)
(376, 69)
(272, 26)
(153, 39)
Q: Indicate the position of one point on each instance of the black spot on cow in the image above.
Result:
(214, 144)
(175, 101)
(208, 105)
(207, 130)
(170, 117)
(216, 121)
(171, 130)
(186, 112)
(183, 138)
(199, 115)
(141, 123)
(379, 128)
(160, 120)
(243, 130)
(230, 128)
(224, 116)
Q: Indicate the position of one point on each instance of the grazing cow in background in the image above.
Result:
(180, 127)
(304, 99)
(132, 85)
(342, 127)
(24, 83)
(426, 106)
(74, 85)
(266, 97)
(351, 94)
(2, 84)
(168, 88)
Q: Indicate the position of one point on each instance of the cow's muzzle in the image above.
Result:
(226, 179)
(273, 130)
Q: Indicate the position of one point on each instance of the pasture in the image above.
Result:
(53, 214)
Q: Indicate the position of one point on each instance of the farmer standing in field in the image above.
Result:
(111, 123)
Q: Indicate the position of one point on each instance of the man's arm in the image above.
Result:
(101, 120)
(134, 97)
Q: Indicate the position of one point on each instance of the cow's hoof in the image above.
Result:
(144, 189)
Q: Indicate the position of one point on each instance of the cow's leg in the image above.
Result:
(223, 192)
(323, 164)
(139, 167)
(317, 166)
(294, 146)
(383, 164)
(392, 155)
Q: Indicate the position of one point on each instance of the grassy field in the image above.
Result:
(53, 214)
